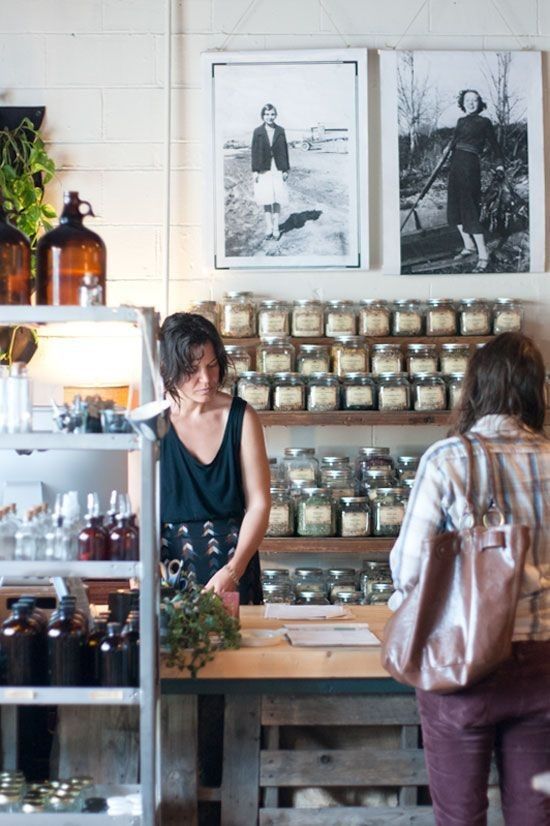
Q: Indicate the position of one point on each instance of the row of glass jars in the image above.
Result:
(348, 354)
(240, 316)
(323, 392)
(314, 586)
(315, 511)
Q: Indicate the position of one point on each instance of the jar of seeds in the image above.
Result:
(273, 318)
(340, 482)
(454, 386)
(323, 392)
(388, 512)
(310, 579)
(313, 358)
(281, 515)
(507, 316)
(406, 467)
(255, 388)
(340, 318)
(374, 317)
(238, 315)
(373, 481)
(239, 360)
(407, 317)
(274, 472)
(429, 392)
(358, 392)
(315, 513)
(207, 309)
(275, 354)
(288, 392)
(354, 516)
(474, 317)
(380, 594)
(341, 576)
(386, 358)
(440, 317)
(373, 458)
(421, 358)
(372, 573)
(299, 465)
(394, 391)
(350, 355)
(453, 357)
(307, 318)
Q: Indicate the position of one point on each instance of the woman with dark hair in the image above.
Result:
(214, 470)
(270, 168)
(503, 402)
(471, 135)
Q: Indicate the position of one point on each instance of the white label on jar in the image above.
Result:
(276, 362)
(475, 322)
(454, 396)
(317, 515)
(442, 321)
(278, 517)
(386, 364)
(297, 473)
(323, 398)
(375, 323)
(237, 322)
(239, 366)
(422, 365)
(289, 397)
(451, 363)
(392, 398)
(507, 321)
(313, 366)
(430, 398)
(338, 323)
(350, 362)
(354, 524)
(359, 395)
(307, 323)
(391, 514)
(273, 321)
(407, 322)
(255, 395)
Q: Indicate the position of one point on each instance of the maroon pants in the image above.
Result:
(508, 713)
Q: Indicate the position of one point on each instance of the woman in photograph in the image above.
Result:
(502, 402)
(270, 168)
(214, 471)
(472, 133)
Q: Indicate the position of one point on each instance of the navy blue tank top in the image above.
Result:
(190, 490)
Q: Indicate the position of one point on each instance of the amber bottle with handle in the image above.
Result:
(69, 256)
(15, 263)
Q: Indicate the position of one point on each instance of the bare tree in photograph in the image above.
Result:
(412, 101)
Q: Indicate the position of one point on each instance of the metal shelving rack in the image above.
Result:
(147, 695)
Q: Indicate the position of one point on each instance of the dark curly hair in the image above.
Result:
(481, 105)
(504, 376)
(182, 339)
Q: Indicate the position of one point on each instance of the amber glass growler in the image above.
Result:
(15, 263)
(69, 256)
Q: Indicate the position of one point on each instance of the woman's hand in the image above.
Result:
(221, 582)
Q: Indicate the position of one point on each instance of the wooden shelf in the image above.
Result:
(329, 544)
(348, 418)
(370, 340)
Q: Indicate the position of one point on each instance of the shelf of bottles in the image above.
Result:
(28, 442)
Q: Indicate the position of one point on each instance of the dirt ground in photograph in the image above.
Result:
(315, 220)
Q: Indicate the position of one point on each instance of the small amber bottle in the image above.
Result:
(15, 263)
(69, 256)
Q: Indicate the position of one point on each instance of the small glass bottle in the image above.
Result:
(15, 263)
(92, 651)
(388, 512)
(454, 357)
(340, 318)
(374, 317)
(288, 392)
(315, 513)
(18, 399)
(354, 516)
(474, 317)
(67, 253)
(386, 358)
(207, 309)
(19, 643)
(440, 317)
(124, 540)
(255, 388)
(66, 648)
(313, 358)
(407, 317)
(429, 392)
(358, 392)
(93, 539)
(421, 358)
(507, 315)
(299, 465)
(275, 355)
(350, 355)
(281, 515)
(394, 391)
(274, 318)
(111, 657)
(454, 388)
(238, 315)
(130, 650)
(307, 318)
(323, 392)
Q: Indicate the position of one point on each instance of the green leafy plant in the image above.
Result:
(197, 624)
(25, 167)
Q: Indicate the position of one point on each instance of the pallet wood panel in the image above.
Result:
(240, 780)
(341, 710)
(358, 816)
(178, 768)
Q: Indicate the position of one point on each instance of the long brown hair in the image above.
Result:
(504, 376)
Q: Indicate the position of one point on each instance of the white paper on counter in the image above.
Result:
(319, 634)
(275, 610)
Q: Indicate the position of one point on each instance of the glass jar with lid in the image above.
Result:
(307, 318)
(440, 317)
(274, 318)
(373, 481)
(275, 354)
(238, 315)
(315, 515)
(507, 315)
(239, 359)
(288, 391)
(323, 392)
(453, 357)
(310, 579)
(350, 355)
(429, 392)
(207, 309)
(274, 472)
(372, 458)
(354, 516)
(407, 318)
(305, 597)
(421, 358)
(340, 318)
(299, 465)
(386, 358)
(334, 462)
(380, 593)
(345, 595)
(281, 515)
(341, 576)
(474, 317)
(255, 388)
(406, 467)
(454, 388)
(371, 573)
(394, 391)
(358, 391)
(340, 482)
(374, 317)
(279, 593)
(388, 512)
(313, 358)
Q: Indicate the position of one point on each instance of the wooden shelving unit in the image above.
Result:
(329, 544)
(349, 418)
(370, 340)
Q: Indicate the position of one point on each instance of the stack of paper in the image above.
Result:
(320, 634)
(305, 612)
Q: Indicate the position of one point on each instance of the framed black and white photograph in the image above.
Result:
(463, 164)
(286, 159)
